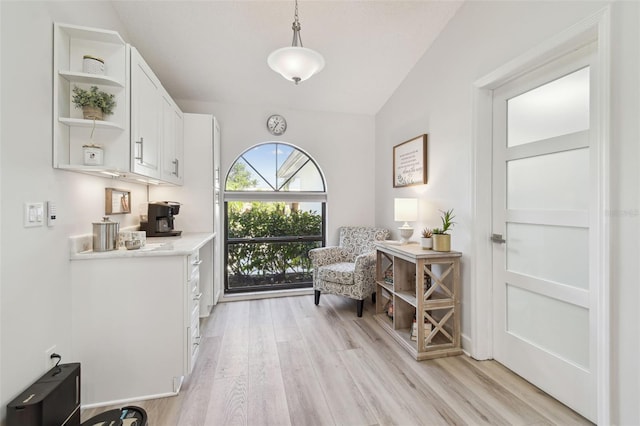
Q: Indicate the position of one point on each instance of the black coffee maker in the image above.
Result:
(160, 219)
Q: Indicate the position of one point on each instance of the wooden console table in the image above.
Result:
(420, 284)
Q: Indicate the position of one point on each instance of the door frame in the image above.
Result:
(594, 28)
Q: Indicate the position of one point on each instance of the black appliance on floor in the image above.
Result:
(54, 400)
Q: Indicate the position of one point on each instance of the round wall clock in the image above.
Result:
(276, 124)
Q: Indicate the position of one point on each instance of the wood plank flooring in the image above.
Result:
(285, 361)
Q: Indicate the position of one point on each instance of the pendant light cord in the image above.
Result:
(297, 40)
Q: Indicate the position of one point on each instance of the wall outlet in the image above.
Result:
(49, 363)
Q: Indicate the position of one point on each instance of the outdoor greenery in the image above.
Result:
(240, 178)
(273, 261)
(94, 98)
(256, 255)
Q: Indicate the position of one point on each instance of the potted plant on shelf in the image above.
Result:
(95, 104)
(426, 241)
(442, 240)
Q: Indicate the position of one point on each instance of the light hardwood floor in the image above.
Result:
(285, 361)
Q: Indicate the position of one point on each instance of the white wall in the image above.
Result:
(34, 279)
(341, 144)
(436, 98)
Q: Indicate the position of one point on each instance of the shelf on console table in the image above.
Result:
(433, 299)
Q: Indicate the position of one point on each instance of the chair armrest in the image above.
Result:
(326, 255)
(365, 261)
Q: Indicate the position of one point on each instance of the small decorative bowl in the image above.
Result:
(132, 244)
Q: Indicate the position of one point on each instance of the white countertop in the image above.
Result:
(155, 246)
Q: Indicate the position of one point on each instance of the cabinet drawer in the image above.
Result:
(195, 311)
(194, 282)
(195, 337)
(194, 264)
(195, 329)
(194, 350)
(195, 298)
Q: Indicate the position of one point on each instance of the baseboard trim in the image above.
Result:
(265, 295)
(127, 400)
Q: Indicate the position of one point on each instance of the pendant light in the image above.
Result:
(296, 63)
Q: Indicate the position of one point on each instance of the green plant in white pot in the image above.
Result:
(426, 241)
(95, 104)
(442, 240)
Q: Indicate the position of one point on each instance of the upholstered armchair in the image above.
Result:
(349, 269)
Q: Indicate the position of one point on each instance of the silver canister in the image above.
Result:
(105, 235)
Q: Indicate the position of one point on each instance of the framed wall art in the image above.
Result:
(117, 201)
(410, 162)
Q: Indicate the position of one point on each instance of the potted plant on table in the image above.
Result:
(442, 240)
(426, 242)
(95, 104)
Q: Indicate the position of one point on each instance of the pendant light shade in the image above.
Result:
(296, 63)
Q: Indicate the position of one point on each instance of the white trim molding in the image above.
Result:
(594, 28)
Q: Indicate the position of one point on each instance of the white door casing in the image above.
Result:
(594, 28)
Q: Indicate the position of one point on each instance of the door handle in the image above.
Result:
(497, 238)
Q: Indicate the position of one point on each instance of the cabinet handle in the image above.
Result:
(140, 158)
(197, 262)
(197, 296)
(176, 167)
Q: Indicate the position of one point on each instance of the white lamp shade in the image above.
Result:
(296, 62)
(405, 209)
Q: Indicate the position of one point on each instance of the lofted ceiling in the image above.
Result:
(217, 50)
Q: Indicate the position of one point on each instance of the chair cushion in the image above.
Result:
(341, 273)
(357, 240)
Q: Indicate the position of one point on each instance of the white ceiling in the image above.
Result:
(217, 50)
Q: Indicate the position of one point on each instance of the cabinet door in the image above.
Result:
(172, 141)
(146, 118)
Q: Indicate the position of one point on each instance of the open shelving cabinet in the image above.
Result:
(420, 284)
(70, 130)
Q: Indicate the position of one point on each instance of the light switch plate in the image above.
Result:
(33, 214)
(52, 213)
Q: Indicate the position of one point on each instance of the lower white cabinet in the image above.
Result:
(135, 325)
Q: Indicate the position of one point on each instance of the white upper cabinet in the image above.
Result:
(146, 118)
(142, 140)
(172, 141)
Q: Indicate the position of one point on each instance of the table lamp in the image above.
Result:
(405, 210)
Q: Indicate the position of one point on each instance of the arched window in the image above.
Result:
(275, 212)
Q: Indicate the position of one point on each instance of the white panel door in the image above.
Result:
(543, 216)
